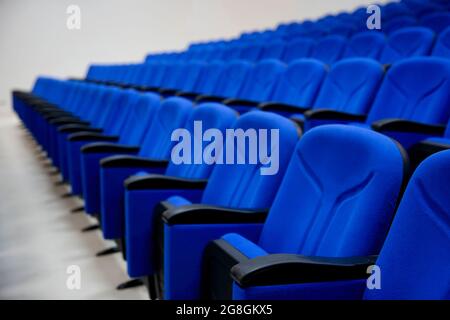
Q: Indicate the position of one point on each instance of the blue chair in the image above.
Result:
(436, 21)
(324, 209)
(229, 83)
(368, 44)
(297, 87)
(417, 241)
(349, 89)
(398, 23)
(273, 50)
(144, 191)
(113, 123)
(297, 49)
(395, 9)
(118, 161)
(343, 29)
(420, 230)
(329, 49)
(407, 43)
(244, 192)
(251, 51)
(258, 86)
(408, 108)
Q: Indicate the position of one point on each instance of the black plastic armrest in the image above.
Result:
(408, 126)
(328, 114)
(188, 95)
(277, 269)
(204, 214)
(132, 162)
(91, 136)
(208, 98)
(148, 88)
(240, 102)
(283, 107)
(68, 128)
(67, 120)
(157, 181)
(104, 147)
(168, 91)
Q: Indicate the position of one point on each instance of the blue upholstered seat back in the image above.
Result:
(406, 43)
(261, 80)
(368, 44)
(212, 116)
(300, 83)
(140, 116)
(329, 49)
(232, 78)
(243, 185)
(350, 86)
(415, 258)
(415, 89)
(332, 194)
(299, 48)
(171, 115)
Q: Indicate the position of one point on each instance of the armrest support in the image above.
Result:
(240, 102)
(91, 136)
(283, 107)
(156, 181)
(328, 114)
(278, 269)
(208, 98)
(131, 162)
(103, 147)
(204, 214)
(400, 125)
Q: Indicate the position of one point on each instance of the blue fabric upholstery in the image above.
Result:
(368, 44)
(407, 43)
(296, 49)
(329, 49)
(406, 96)
(398, 23)
(319, 199)
(242, 187)
(350, 86)
(300, 83)
(442, 46)
(415, 257)
(139, 204)
(157, 145)
(436, 21)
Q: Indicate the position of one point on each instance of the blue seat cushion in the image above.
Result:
(178, 201)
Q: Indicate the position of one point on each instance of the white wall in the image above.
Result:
(34, 38)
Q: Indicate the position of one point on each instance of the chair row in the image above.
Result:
(430, 14)
(202, 231)
(404, 42)
(352, 90)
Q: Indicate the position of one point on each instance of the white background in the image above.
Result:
(34, 38)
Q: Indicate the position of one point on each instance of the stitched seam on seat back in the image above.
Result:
(308, 171)
(345, 196)
(426, 95)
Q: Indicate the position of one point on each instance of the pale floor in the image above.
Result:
(40, 237)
